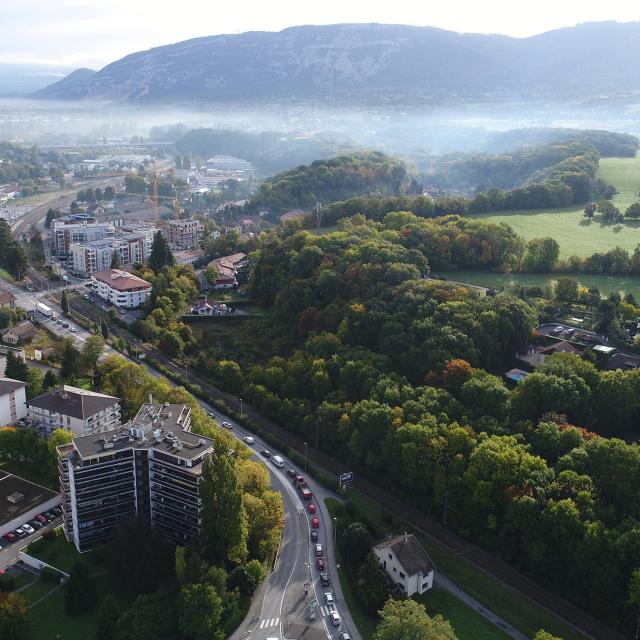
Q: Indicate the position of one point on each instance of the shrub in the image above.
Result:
(7, 582)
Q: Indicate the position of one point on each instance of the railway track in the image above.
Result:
(490, 564)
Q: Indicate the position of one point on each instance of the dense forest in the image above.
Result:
(397, 373)
(371, 174)
(608, 143)
(552, 175)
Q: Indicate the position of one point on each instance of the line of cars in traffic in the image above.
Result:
(306, 494)
(30, 527)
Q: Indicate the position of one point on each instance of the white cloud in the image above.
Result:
(90, 33)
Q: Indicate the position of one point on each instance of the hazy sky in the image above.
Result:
(95, 32)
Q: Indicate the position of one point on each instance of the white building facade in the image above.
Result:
(406, 563)
(77, 410)
(121, 288)
(13, 400)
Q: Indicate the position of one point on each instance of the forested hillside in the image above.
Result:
(566, 171)
(368, 173)
(394, 372)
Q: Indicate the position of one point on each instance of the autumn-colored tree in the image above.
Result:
(455, 374)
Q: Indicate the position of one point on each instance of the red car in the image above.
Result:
(41, 518)
(315, 523)
(320, 564)
(10, 537)
(312, 507)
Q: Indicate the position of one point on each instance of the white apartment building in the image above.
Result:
(82, 412)
(184, 234)
(64, 232)
(90, 257)
(12, 401)
(121, 288)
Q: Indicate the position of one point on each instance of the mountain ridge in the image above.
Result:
(369, 62)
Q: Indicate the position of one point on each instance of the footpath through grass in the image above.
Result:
(518, 611)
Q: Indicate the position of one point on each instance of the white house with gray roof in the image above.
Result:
(406, 563)
(78, 410)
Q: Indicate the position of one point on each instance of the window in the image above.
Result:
(425, 586)
(390, 558)
(402, 575)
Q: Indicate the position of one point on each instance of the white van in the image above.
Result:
(278, 461)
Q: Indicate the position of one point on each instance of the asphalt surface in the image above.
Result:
(9, 554)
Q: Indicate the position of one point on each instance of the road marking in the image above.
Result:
(269, 622)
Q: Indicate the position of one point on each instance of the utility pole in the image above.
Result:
(241, 411)
(335, 533)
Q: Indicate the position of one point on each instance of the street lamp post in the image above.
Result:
(241, 411)
(335, 533)
(305, 457)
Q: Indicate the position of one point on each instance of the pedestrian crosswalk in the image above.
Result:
(326, 610)
(269, 622)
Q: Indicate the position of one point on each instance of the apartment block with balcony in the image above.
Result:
(150, 467)
(121, 288)
(91, 257)
(184, 234)
(77, 410)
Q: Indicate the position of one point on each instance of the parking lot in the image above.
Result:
(22, 502)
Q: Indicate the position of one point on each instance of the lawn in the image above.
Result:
(61, 554)
(467, 623)
(48, 618)
(606, 284)
(576, 235)
(520, 612)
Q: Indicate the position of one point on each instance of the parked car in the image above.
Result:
(72, 329)
(324, 579)
(20, 532)
(34, 524)
(314, 536)
(558, 329)
(265, 453)
(344, 636)
(320, 564)
(291, 472)
(211, 414)
(315, 523)
(328, 599)
(226, 425)
(10, 536)
(41, 518)
(311, 507)
(50, 515)
(336, 621)
(28, 528)
(57, 511)
(248, 440)
(319, 553)
(569, 331)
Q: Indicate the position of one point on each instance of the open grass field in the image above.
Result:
(606, 284)
(576, 235)
(62, 554)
